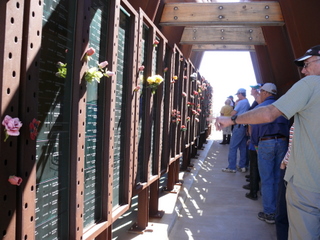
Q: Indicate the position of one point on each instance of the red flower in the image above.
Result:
(33, 127)
(90, 51)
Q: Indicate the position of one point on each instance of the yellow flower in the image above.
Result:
(158, 79)
(151, 80)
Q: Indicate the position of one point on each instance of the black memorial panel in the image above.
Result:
(53, 141)
(120, 107)
(94, 117)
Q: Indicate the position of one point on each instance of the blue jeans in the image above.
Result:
(238, 140)
(270, 155)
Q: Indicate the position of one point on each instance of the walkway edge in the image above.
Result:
(188, 179)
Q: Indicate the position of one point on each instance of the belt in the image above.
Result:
(272, 137)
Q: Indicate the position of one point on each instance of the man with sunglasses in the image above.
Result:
(302, 101)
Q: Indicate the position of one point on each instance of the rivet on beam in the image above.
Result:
(220, 17)
(175, 8)
(175, 18)
(267, 17)
(250, 31)
(250, 38)
(266, 7)
(222, 38)
(222, 30)
(194, 38)
(194, 30)
(220, 7)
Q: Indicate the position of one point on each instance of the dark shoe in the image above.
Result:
(268, 218)
(248, 179)
(251, 196)
(246, 186)
(223, 142)
(247, 176)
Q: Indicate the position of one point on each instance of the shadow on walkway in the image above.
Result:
(210, 205)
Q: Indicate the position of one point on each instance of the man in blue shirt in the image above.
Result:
(239, 136)
(271, 140)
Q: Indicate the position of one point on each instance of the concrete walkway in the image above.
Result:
(210, 205)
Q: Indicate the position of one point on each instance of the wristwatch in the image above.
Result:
(233, 118)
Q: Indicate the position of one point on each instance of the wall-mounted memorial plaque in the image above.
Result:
(53, 141)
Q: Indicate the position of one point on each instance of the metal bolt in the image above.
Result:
(220, 7)
(220, 17)
(250, 31)
(194, 30)
(222, 38)
(175, 17)
(266, 7)
(250, 38)
(194, 38)
(222, 30)
(267, 17)
(175, 8)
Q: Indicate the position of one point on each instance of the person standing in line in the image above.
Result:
(239, 137)
(302, 174)
(254, 177)
(226, 111)
(271, 140)
(232, 102)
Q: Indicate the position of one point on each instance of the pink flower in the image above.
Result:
(103, 64)
(156, 42)
(90, 51)
(184, 94)
(15, 180)
(165, 69)
(136, 89)
(12, 126)
(141, 68)
(109, 73)
(183, 128)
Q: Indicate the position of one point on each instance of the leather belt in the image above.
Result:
(272, 137)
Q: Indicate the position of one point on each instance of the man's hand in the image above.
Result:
(222, 122)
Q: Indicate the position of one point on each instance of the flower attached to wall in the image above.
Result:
(188, 119)
(183, 128)
(96, 73)
(12, 126)
(184, 94)
(165, 69)
(155, 43)
(90, 51)
(33, 127)
(14, 180)
(194, 112)
(136, 89)
(190, 104)
(62, 70)
(154, 81)
(174, 79)
(141, 68)
(196, 119)
(195, 93)
(185, 77)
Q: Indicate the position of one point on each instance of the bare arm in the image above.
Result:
(260, 115)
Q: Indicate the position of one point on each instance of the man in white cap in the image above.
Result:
(271, 141)
(302, 175)
(239, 138)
